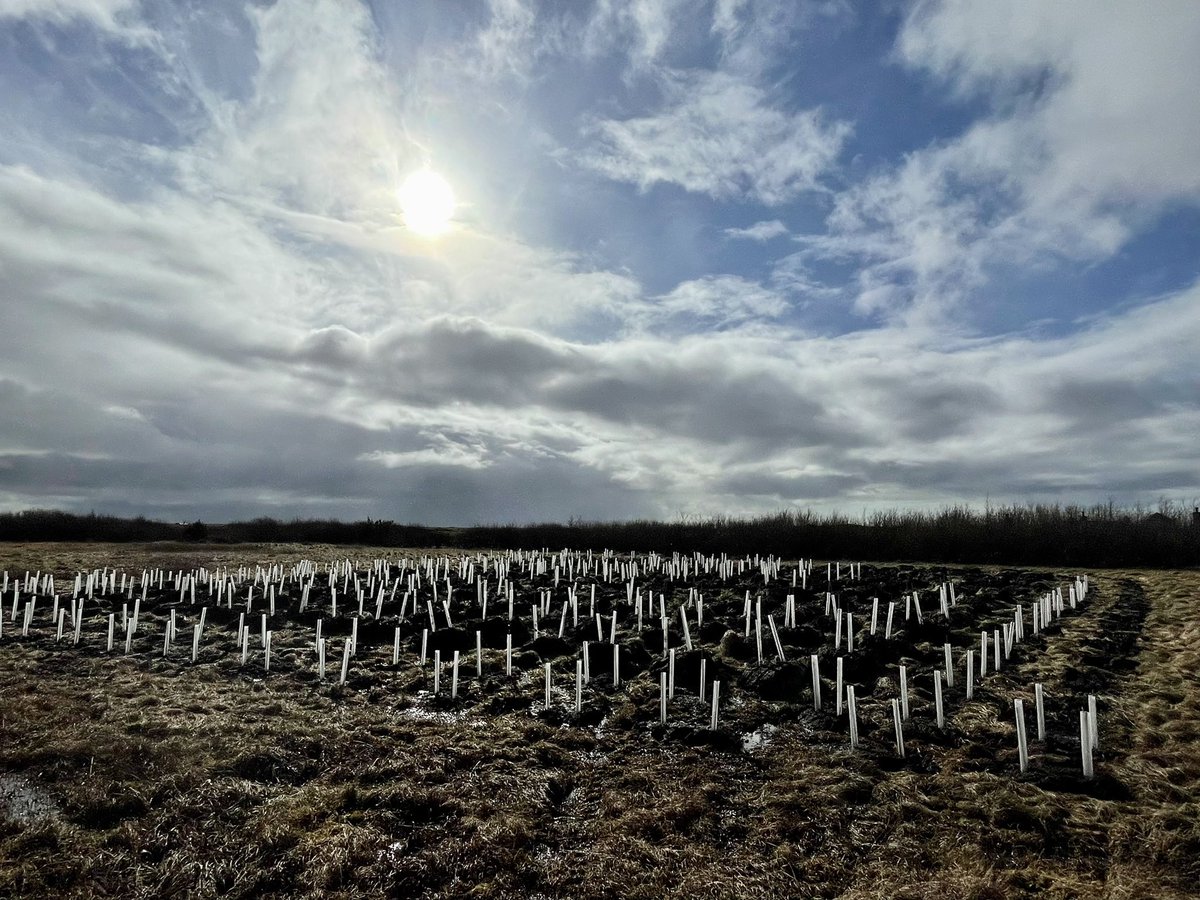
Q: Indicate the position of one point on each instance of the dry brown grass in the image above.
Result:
(177, 781)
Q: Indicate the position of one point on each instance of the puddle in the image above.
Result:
(23, 802)
(759, 738)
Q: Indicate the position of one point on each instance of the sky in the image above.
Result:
(723, 257)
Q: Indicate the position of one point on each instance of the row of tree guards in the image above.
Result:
(428, 588)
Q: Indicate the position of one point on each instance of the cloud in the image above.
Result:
(712, 302)
(719, 135)
(243, 328)
(759, 231)
(1090, 138)
(104, 14)
(318, 132)
(443, 453)
(642, 29)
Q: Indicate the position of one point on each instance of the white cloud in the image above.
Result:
(104, 14)
(257, 332)
(759, 231)
(320, 132)
(722, 136)
(713, 302)
(643, 29)
(444, 453)
(1092, 136)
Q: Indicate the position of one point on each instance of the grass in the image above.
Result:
(155, 779)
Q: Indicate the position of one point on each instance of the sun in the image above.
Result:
(427, 201)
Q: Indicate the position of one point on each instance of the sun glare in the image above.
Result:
(427, 201)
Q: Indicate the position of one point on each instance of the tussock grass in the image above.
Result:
(160, 781)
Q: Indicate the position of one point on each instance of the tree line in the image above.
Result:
(1050, 535)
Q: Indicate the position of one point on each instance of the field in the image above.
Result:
(148, 776)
